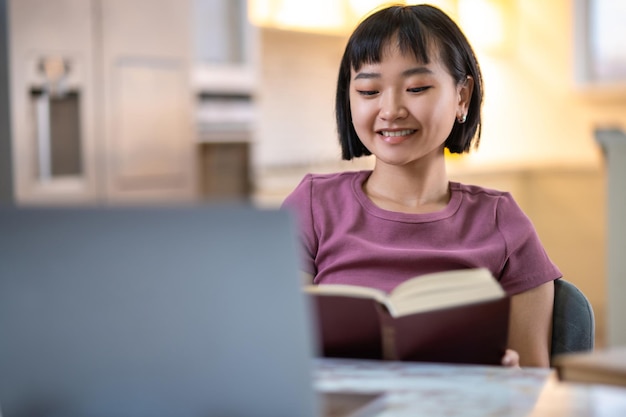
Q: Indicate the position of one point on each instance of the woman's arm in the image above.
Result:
(530, 325)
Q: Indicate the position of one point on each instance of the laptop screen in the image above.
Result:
(193, 311)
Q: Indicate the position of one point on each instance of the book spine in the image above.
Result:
(387, 334)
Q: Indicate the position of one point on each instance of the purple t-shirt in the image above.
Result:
(347, 239)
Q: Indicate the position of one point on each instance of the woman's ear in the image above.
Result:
(465, 89)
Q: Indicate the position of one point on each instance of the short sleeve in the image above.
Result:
(299, 202)
(527, 264)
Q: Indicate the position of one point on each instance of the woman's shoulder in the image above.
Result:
(485, 200)
(335, 178)
(316, 186)
(336, 182)
(479, 191)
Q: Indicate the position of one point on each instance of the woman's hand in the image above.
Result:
(510, 359)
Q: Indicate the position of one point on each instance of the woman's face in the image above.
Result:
(403, 110)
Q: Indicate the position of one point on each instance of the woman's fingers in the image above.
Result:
(510, 359)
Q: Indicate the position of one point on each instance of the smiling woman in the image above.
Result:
(426, 58)
(401, 101)
(410, 88)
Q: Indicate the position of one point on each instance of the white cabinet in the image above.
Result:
(42, 32)
(101, 100)
(148, 131)
(224, 80)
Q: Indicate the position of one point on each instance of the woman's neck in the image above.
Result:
(408, 189)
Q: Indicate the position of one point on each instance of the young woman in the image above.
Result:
(409, 86)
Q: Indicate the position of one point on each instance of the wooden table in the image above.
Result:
(433, 390)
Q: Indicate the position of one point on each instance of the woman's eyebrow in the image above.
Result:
(367, 75)
(405, 73)
(417, 71)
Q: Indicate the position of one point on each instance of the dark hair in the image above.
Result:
(419, 29)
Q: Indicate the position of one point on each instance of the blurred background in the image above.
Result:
(106, 102)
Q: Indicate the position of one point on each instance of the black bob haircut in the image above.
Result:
(420, 30)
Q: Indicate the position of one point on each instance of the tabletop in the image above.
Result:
(433, 390)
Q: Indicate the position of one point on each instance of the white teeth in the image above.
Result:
(398, 133)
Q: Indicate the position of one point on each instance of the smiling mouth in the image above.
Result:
(396, 133)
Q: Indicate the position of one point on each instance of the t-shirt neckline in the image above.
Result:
(369, 206)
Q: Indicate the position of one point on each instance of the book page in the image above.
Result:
(444, 289)
(435, 301)
(347, 291)
(446, 282)
(424, 293)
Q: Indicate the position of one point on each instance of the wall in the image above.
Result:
(295, 98)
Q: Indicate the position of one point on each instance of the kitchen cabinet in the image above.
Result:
(101, 101)
(224, 80)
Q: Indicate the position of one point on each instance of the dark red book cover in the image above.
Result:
(362, 328)
(348, 327)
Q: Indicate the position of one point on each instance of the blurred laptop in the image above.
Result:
(183, 312)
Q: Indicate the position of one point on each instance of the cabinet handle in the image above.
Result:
(43, 135)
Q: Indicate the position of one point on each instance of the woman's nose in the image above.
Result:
(392, 107)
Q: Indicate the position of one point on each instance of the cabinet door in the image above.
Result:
(52, 101)
(148, 131)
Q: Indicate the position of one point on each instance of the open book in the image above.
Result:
(453, 316)
(603, 366)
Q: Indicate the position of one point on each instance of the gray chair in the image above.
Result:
(573, 322)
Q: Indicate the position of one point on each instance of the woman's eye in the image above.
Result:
(367, 92)
(418, 89)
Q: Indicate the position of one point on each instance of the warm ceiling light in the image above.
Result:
(360, 8)
(483, 23)
(320, 16)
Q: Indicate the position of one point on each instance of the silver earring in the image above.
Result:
(462, 118)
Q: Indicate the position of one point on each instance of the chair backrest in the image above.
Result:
(573, 322)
